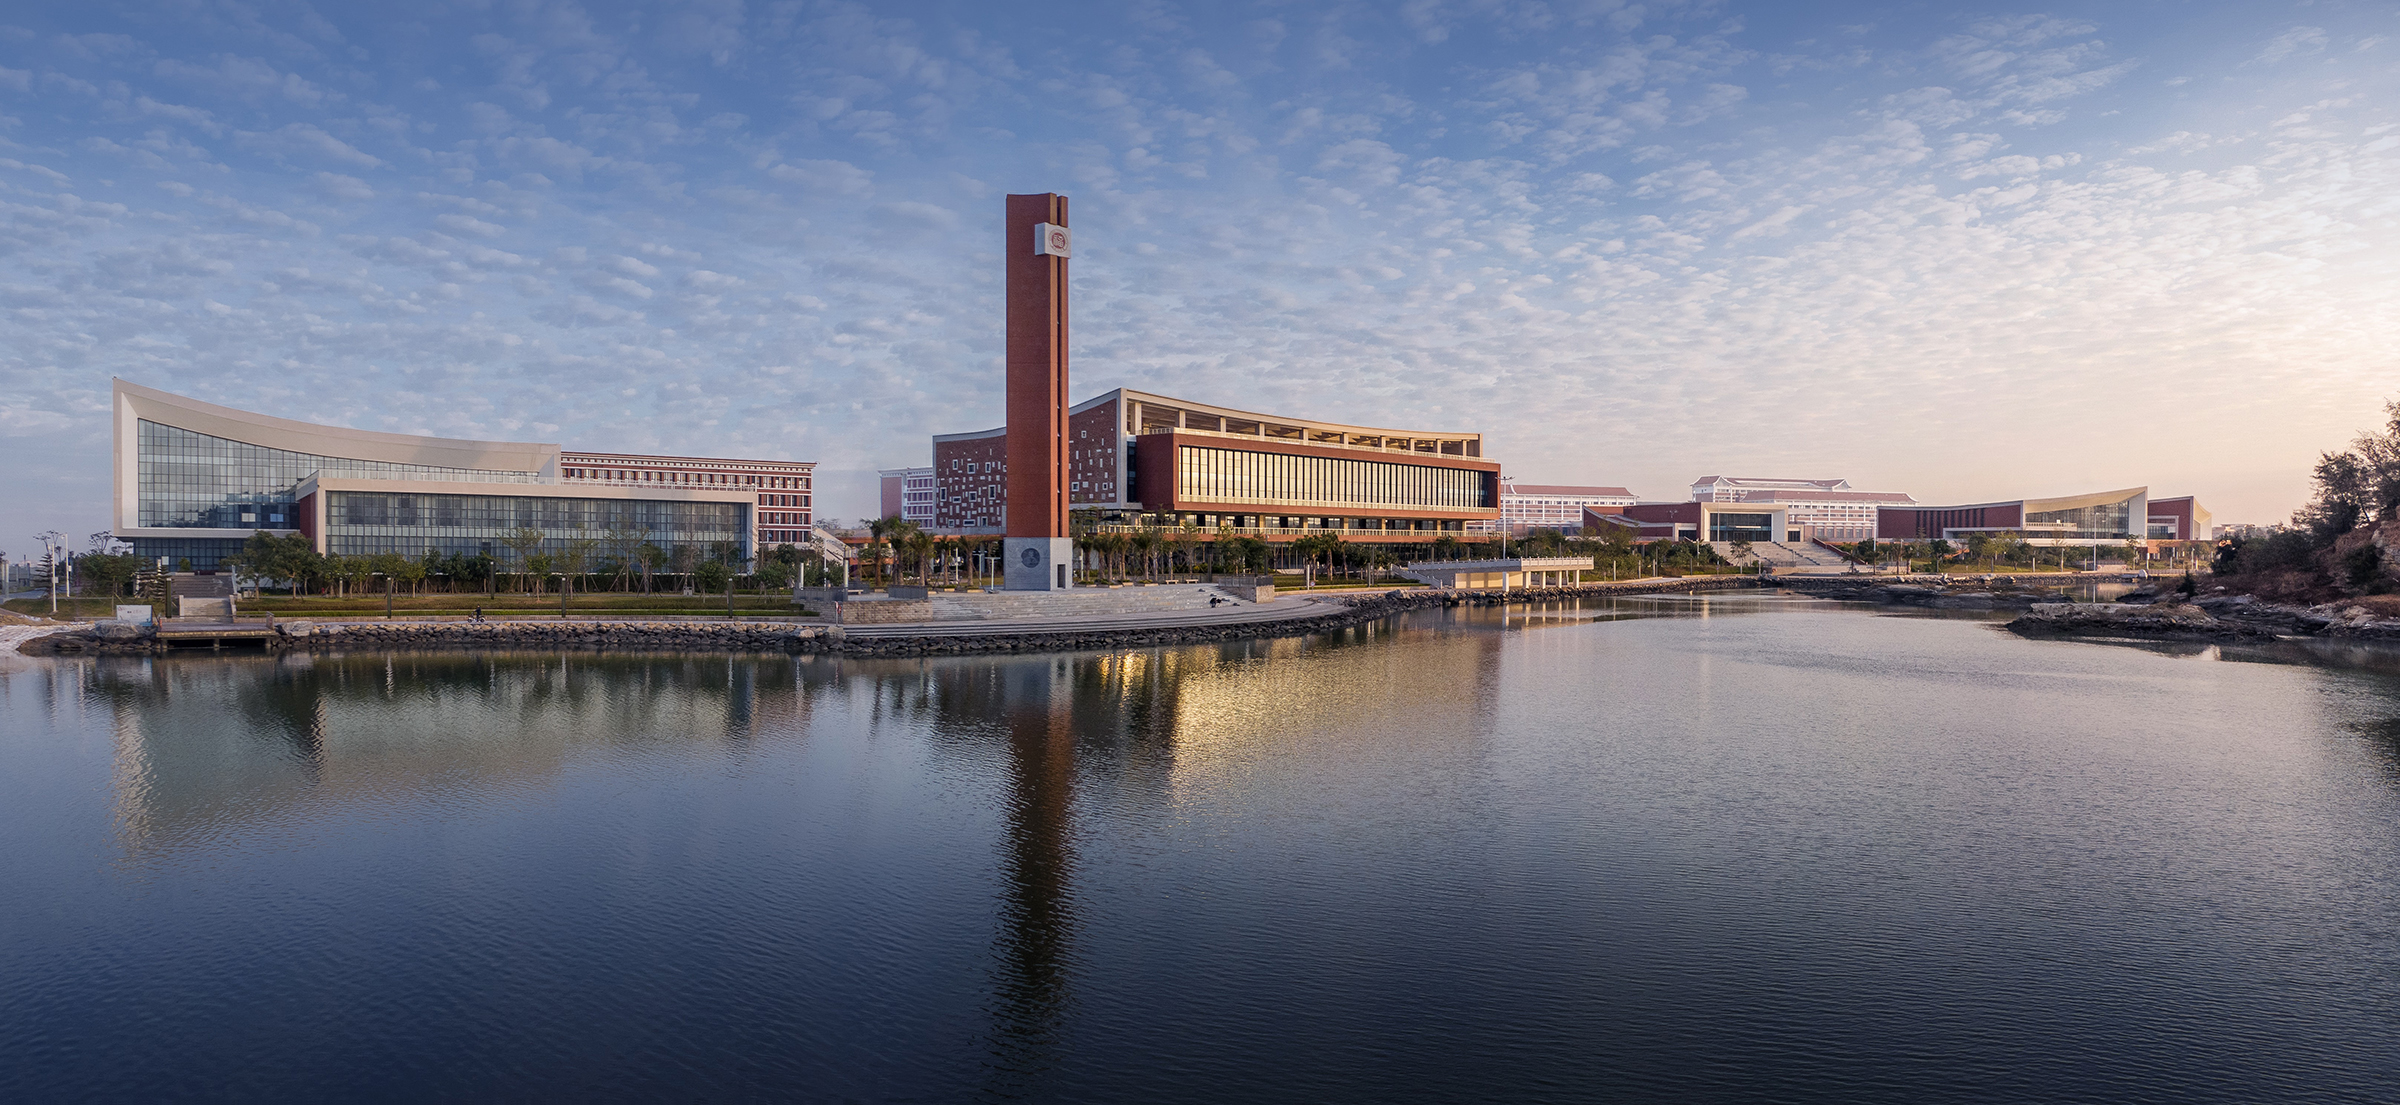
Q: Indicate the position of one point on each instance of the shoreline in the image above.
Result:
(2045, 612)
(1342, 612)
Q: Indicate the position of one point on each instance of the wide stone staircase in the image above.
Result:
(191, 595)
(1777, 554)
(1783, 555)
(1090, 609)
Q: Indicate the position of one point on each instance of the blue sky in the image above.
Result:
(1963, 253)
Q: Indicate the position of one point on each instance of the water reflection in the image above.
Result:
(1682, 856)
(204, 746)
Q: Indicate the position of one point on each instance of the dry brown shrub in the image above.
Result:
(2382, 606)
(2289, 585)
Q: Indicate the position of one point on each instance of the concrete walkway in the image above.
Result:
(1232, 613)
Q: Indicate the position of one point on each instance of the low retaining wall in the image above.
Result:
(883, 611)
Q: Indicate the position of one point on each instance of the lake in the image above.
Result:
(1745, 847)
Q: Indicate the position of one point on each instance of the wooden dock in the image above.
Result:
(215, 632)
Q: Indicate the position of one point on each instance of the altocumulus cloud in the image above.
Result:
(2022, 251)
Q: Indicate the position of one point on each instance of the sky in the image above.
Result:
(1968, 253)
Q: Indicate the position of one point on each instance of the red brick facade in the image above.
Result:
(970, 483)
(1037, 371)
(1093, 453)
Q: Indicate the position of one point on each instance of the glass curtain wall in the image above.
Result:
(189, 480)
(2103, 522)
(1239, 476)
(360, 523)
(1741, 527)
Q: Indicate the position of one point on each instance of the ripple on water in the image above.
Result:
(1730, 847)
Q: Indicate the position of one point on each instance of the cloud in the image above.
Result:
(1876, 251)
(2291, 43)
(304, 141)
(468, 224)
(821, 175)
(340, 187)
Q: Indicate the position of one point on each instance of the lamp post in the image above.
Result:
(54, 547)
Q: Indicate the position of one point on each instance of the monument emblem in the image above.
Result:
(1031, 557)
(1052, 240)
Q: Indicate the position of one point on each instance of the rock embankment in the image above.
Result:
(2218, 618)
(1339, 612)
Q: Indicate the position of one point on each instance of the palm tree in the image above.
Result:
(1147, 542)
(921, 545)
(879, 530)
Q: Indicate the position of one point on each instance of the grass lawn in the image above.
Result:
(67, 607)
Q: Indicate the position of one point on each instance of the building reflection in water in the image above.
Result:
(206, 746)
(1094, 746)
(1079, 744)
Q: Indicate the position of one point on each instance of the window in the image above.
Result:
(189, 480)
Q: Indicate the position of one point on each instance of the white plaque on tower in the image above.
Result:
(1052, 240)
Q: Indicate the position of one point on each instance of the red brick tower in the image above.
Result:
(1037, 546)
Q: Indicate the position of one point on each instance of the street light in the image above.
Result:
(54, 546)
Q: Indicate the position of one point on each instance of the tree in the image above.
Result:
(521, 543)
(681, 561)
(1250, 555)
(879, 533)
(410, 573)
(1186, 538)
(711, 576)
(353, 571)
(1146, 543)
(624, 542)
(573, 558)
(652, 559)
(2357, 485)
(106, 573)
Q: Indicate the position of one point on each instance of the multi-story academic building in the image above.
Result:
(2101, 517)
(1831, 509)
(1140, 458)
(1525, 507)
(193, 480)
(908, 495)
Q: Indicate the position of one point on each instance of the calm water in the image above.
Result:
(1730, 849)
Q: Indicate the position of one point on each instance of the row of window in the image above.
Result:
(416, 544)
(493, 514)
(190, 480)
(1228, 475)
(680, 478)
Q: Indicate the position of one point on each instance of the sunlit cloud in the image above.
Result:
(1967, 257)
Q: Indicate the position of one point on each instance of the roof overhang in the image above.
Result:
(134, 403)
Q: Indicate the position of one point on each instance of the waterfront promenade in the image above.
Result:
(1023, 628)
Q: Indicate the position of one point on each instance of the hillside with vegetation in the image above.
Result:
(2345, 544)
